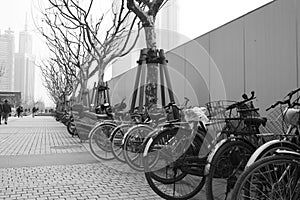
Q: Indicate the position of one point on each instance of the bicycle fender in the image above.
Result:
(99, 125)
(133, 127)
(212, 154)
(150, 140)
(264, 147)
(287, 153)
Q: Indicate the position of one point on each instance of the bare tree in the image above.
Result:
(67, 48)
(56, 81)
(146, 10)
(86, 40)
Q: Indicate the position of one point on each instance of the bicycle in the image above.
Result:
(229, 156)
(99, 136)
(128, 139)
(119, 131)
(136, 136)
(175, 163)
(288, 144)
(172, 158)
(289, 139)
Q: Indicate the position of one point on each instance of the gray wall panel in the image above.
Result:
(270, 52)
(297, 13)
(197, 70)
(226, 49)
(176, 68)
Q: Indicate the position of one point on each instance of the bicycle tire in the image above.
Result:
(225, 167)
(176, 183)
(261, 173)
(116, 141)
(71, 128)
(99, 141)
(133, 146)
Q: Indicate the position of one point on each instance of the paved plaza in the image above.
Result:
(40, 160)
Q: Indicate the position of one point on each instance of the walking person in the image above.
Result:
(18, 111)
(1, 112)
(21, 111)
(6, 110)
(33, 111)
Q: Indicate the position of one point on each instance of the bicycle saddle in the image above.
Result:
(257, 121)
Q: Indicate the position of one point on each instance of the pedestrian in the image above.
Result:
(33, 111)
(18, 111)
(6, 110)
(1, 112)
(21, 111)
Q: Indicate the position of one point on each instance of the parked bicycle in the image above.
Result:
(226, 161)
(172, 161)
(285, 127)
(238, 125)
(128, 145)
(269, 176)
(100, 135)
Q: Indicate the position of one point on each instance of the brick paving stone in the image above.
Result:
(44, 136)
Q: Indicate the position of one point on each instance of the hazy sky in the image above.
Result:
(196, 17)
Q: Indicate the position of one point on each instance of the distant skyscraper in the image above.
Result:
(167, 23)
(25, 41)
(7, 49)
(24, 67)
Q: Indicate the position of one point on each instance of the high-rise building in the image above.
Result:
(167, 25)
(24, 67)
(25, 41)
(7, 49)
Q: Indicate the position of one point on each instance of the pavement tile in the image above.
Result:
(40, 160)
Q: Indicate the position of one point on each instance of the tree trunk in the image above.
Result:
(85, 92)
(152, 68)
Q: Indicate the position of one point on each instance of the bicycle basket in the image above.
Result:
(276, 125)
(218, 113)
(218, 108)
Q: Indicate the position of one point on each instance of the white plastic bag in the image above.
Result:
(196, 114)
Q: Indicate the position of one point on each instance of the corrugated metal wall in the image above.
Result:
(259, 52)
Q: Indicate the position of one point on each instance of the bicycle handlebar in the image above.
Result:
(277, 103)
(232, 106)
(288, 101)
(292, 93)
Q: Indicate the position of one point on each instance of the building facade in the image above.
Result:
(7, 50)
(24, 68)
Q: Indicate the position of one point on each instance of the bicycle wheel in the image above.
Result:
(226, 165)
(134, 147)
(71, 128)
(273, 177)
(169, 174)
(99, 142)
(116, 141)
